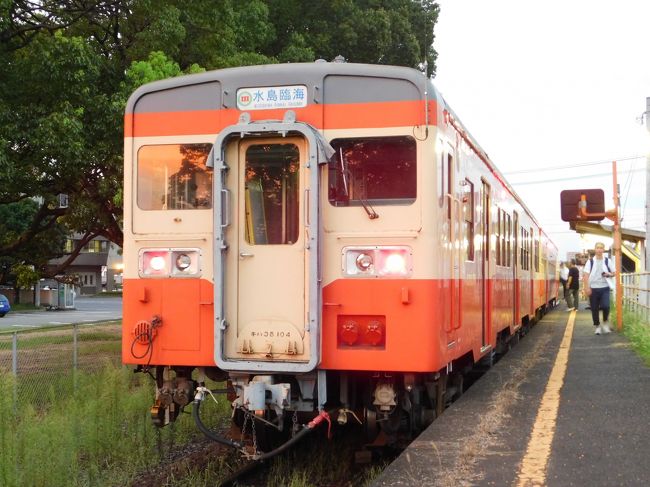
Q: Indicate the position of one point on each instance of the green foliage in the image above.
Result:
(638, 331)
(26, 276)
(98, 434)
(67, 69)
(15, 219)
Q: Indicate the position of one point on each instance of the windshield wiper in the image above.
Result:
(343, 173)
(372, 214)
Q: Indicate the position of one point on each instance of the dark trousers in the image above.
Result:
(572, 298)
(564, 289)
(599, 299)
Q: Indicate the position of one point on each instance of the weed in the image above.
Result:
(638, 332)
(95, 433)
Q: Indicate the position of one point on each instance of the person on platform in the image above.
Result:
(596, 274)
(573, 286)
(564, 275)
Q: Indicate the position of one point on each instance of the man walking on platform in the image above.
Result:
(597, 272)
(572, 286)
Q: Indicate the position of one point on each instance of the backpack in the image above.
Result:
(591, 262)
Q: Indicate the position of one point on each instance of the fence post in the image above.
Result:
(75, 356)
(75, 330)
(14, 367)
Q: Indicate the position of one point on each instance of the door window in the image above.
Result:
(272, 194)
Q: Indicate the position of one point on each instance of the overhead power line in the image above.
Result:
(568, 178)
(580, 164)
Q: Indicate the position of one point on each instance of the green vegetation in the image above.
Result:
(24, 307)
(98, 434)
(68, 67)
(638, 331)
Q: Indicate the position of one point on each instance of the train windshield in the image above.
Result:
(377, 170)
(174, 177)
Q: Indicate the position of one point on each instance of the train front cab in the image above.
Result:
(361, 278)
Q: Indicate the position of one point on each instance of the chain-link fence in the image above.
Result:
(44, 362)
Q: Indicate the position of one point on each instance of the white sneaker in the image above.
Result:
(606, 328)
(570, 309)
(599, 330)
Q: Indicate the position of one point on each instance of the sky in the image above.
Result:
(546, 88)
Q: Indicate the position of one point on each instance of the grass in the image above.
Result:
(25, 307)
(638, 332)
(95, 434)
(108, 294)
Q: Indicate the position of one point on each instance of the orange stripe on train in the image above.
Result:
(339, 116)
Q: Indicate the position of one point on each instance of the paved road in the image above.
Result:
(88, 309)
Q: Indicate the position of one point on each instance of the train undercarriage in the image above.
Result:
(272, 409)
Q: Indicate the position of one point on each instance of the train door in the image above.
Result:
(453, 215)
(456, 250)
(515, 262)
(272, 288)
(485, 264)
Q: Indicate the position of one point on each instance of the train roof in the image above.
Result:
(310, 74)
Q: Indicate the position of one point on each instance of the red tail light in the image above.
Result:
(361, 332)
(374, 333)
(349, 332)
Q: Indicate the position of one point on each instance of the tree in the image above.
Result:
(68, 66)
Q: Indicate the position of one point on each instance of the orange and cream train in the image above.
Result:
(323, 236)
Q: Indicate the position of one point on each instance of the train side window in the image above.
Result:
(498, 237)
(468, 203)
(525, 245)
(509, 240)
(536, 254)
(272, 194)
(174, 177)
(441, 178)
(379, 170)
(450, 183)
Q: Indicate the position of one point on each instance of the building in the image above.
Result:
(91, 265)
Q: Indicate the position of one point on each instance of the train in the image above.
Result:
(327, 239)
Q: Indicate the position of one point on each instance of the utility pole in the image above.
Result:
(647, 192)
(618, 255)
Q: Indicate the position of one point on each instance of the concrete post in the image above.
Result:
(647, 190)
(37, 294)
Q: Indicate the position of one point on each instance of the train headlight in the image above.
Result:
(394, 263)
(183, 262)
(377, 261)
(364, 262)
(169, 263)
(154, 263)
(186, 262)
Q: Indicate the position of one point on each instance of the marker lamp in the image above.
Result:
(377, 261)
(169, 263)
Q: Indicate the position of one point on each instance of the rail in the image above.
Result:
(636, 293)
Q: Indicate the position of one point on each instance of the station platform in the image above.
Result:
(565, 407)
